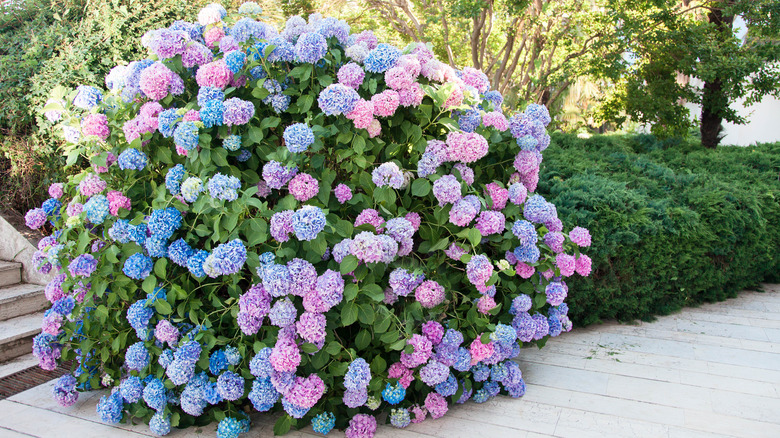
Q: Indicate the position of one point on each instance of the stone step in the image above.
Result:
(16, 335)
(10, 273)
(21, 299)
(15, 365)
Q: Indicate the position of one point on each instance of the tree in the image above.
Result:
(532, 50)
(668, 42)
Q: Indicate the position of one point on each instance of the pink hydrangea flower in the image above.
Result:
(583, 265)
(157, 81)
(398, 78)
(491, 222)
(496, 120)
(385, 103)
(524, 271)
(498, 196)
(362, 115)
(411, 96)
(480, 351)
(580, 236)
(97, 125)
(485, 304)
(214, 74)
(466, 147)
(430, 294)
(415, 219)
(213, 35)
(566, 264)
(117, 200)
(192, 116)
(56, 191)
(343, 193)
(91, 185)
(436, 405)
(455, 99)
(361, 426)
(374, 129)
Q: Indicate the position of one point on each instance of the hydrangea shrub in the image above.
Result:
(305, 221)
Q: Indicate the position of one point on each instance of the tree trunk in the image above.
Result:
(713, 100)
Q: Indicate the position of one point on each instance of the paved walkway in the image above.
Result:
(711, 371)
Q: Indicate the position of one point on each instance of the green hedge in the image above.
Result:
(673, 224)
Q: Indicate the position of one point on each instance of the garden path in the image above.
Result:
(710, 371)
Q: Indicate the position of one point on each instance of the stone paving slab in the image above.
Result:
(712, 371)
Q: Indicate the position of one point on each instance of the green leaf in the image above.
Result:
(475, 236)
(149, 284)
(366, 314)
(162, 307)
(160, 267)
(421, 187)
(350, 291)
(282, 425)
(539, 300)
(363, 339)
(308, 347)
(374, 291)
(397, 345)
(348, 264)
(349, 314)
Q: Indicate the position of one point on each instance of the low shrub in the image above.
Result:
(673, 224)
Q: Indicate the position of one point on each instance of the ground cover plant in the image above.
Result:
(673, 224)
(306, 221)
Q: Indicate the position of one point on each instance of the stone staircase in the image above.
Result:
(21, 312)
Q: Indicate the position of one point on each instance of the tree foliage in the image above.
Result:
(668, 43)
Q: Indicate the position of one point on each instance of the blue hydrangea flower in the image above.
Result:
(156, 246)
(230, 385)
(173, 179)
(232, 355)
(179, 251)
(52, 207)
(163, 222)
(189, 352)
(323, 423)
(229, 428)
(206, 94)
(138, 315)
(217, 362)
(211, 113)
(495, 98)
(263, 395)
(400, 417)
(133, 159)
(448, 387)
(504, 334)
(137, 356)
(131, 389)
(526, 232)
(527, 253)
(87, 97)
(155, 395)
(110, 408)
(186, 136)
(394, 394)
(527, 143)
(358, 375)
(96, 209)
(160, 424)
(232, 142)
(258, 72)
(310, 48)
(307, 222)
(137, 266)
(244, 155)
(167, 121)
(337, 99)
(138, 234)
(64, 306)
(235, 60)
(224, 187)
(195, 263)
(382, 58)
(280, 102)
(227, 258)
(469, 120)
(298, 137)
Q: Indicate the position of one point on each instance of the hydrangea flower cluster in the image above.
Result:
(356, 234)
